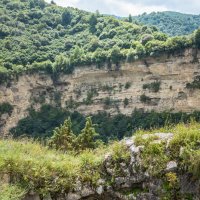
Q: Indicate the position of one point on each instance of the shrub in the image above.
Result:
(145, 99)
(6, 108)
(126, 102)
(11, 192)
(154, 87)
(195, 84)
(120, 152)
(127, 85)
(154, 158)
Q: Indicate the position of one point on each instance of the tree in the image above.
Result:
(62, 64)
(138, 47)
(93, 23)
(52, 2)
(130, 19)
(86, 140)
(63, 137)
(116, 55)
(66, 18)
(197, 38)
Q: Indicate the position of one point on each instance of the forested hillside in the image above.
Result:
(39, 36)
(171, 23)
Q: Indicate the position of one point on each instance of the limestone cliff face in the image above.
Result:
(89, 89)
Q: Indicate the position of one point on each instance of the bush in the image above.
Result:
(195, 84)
(154, 87)
(145, 99)
(6, 108)
(127, 85)
(126, 102)
(11, 192)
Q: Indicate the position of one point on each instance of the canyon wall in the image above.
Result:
(153, 83)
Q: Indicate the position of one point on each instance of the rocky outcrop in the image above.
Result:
(131, 180)
(90, 90)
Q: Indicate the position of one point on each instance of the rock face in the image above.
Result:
(130, 180)
(89, 89)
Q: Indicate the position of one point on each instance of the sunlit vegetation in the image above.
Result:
(36, 36)
(171, 23)
(183, 146)
(32, 166)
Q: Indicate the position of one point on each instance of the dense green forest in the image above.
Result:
(40, 124)
(39, 36)
(171, 23)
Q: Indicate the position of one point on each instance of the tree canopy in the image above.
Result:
(39, 36)
(171, 23)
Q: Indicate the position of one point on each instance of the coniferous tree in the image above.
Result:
(93, 23)
(66, 17)
(197, 38)
(86, 140)
(130, 19)
(63, 138)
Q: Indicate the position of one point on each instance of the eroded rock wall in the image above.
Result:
(90, 90)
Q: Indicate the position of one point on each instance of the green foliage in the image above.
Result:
(86, 139)
(34, 167)
(183, 147)
(6, 108)
(154, 87)
(116, 55)
(90, 94)
(126, 102)
(63, 138)
(66, 18)
(62, 64)
(197, 38)
(11, 192)
(127, 85)
(107, 101)
(195, 84)
(130, 19)
(45, 171)
(36, 36)
(40, 124)
(120, 152)
(93, 22)
(145, 99)
(154, 158)
(171, 23)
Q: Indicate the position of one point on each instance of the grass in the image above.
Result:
(36, 167)
(186, 137)
(11, 192)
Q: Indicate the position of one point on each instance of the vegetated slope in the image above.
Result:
(171, 23)
(154, 164)
(39, 36)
